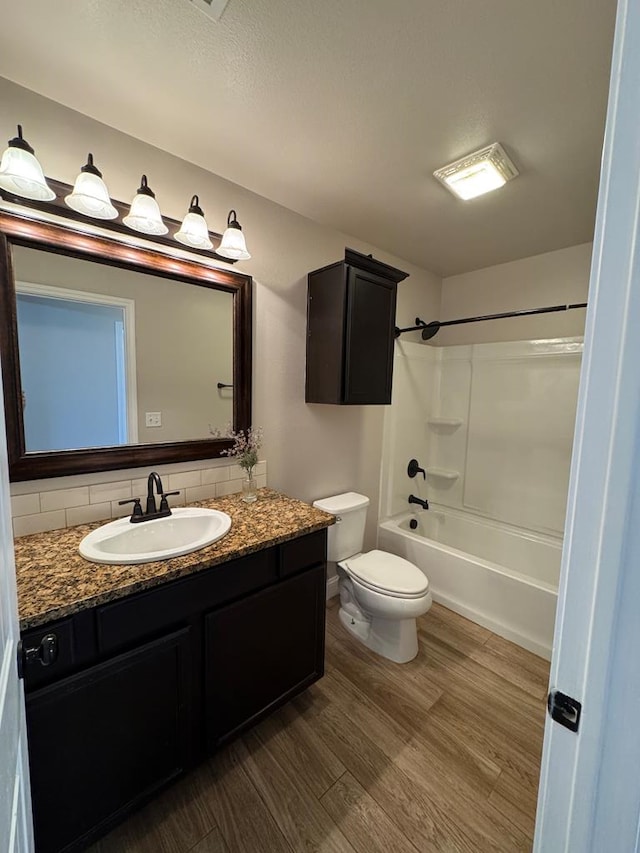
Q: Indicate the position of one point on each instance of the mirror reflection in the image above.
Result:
(112, 357)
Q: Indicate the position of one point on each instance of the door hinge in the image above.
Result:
(564, 710)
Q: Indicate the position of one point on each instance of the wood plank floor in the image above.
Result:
(441, 754)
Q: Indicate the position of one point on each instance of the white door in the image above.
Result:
(589, 796)
(16, 834)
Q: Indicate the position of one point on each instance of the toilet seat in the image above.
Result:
(387, 574)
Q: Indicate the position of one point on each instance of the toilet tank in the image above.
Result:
(346, 536)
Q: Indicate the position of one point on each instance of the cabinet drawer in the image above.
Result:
(299, 554)
(142, 615)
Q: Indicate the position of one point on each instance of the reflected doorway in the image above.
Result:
(77, 366)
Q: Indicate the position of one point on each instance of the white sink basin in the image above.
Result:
(186, 529)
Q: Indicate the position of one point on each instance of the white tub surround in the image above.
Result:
(492, 424)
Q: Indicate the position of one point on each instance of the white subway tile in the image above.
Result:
(118, 511)
(201, 493)
(27, 524)
(261, 481)
(184, 480)
(228, 488)
(139, 488)
(25, 504)
(179, 499)
(87, 514)
(236, 472)
(102, 492)
(63, 498)
(215, 475)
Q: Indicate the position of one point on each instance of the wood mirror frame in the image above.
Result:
(63, 239)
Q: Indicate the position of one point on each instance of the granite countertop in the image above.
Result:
(54, 581)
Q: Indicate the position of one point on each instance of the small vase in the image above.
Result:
(249, 490)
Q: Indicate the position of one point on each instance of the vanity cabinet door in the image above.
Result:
(106, 738)
(261, 651)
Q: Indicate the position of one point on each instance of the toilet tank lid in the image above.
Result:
(339, 504)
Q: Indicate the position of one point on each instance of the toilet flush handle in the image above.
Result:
(338, 519)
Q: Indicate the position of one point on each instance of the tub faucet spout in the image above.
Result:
(414, 500)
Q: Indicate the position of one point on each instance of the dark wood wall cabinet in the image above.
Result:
(140, 690)
(351, 309)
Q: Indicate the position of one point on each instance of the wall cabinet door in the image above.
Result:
(261, 651)
(371, 311)
(102, 740)
(351, 309)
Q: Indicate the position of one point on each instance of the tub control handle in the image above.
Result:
(413, 468)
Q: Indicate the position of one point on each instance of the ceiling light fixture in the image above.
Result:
(233, 245)
(144, 214)
(477, 173)
(194, 231)
(20, 172)
(90, 195)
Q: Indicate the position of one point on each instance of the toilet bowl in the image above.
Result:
(381, 595)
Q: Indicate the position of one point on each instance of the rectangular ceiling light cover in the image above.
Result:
(477, 173)
(212, 8)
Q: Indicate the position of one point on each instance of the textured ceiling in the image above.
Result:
(342, 110)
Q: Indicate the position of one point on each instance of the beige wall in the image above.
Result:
(183, 340)
(312, 450)
(554, 278)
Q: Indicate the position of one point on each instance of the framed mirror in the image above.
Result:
(116, 355)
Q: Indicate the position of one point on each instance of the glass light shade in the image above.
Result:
(232, 244)
(90, 196)
(194, 231)
(144, 215)
(475, 180)
(22, 175)
(478, 173)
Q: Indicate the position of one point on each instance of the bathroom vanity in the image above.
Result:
(134, 673)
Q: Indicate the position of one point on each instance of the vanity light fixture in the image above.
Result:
(20, 172)
(194, 231)
(90, 195)
(233, 245)
(477, 173)
(144, 213)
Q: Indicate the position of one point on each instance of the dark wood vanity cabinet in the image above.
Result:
(351, 308)
(254, 662)
(107, 737)
(145, 687)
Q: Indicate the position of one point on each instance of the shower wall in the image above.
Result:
(491, 423)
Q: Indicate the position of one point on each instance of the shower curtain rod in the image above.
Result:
(431, 329)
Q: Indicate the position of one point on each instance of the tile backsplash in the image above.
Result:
(42, 505)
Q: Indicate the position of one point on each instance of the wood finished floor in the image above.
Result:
(441, 754)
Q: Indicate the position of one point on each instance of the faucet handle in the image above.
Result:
(137, 508)
(414, 468)
(164, 505)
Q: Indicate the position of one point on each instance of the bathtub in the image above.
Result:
(498, 576)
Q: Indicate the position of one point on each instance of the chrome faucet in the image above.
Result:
(414, 500)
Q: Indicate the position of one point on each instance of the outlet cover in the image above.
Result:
(153, 419)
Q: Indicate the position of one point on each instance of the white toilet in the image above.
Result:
(381, 595)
